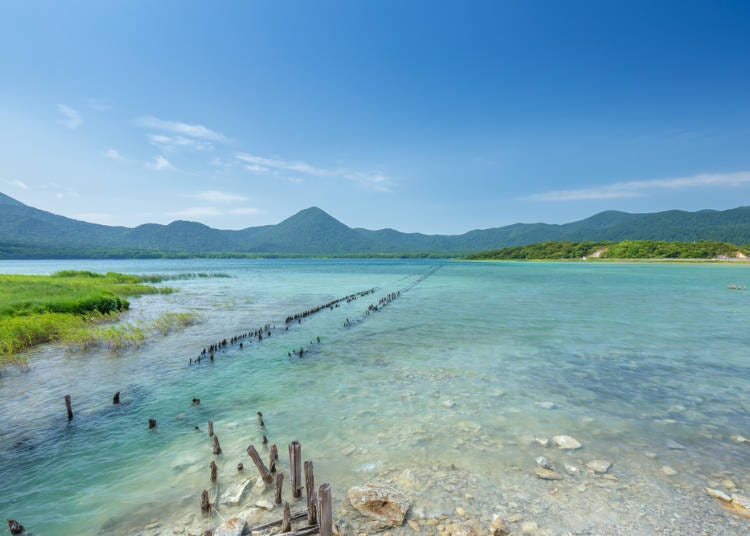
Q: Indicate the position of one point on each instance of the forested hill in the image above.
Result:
(27, 232)
(626, 249)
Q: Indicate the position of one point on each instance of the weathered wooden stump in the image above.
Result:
(286, 524)
(325, 510)
(273, 456)
(279, 484)
(116, 398)
(151, 424)
(69, 407)
(205, 504)
(295, 460)
(15, 527)
(312, 517)
(260, 420)
(217, 448)
(210, 428)
(213, 467)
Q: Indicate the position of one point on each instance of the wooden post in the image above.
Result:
(325, 512)
(151, 424)
(279, 484)
(210, 428)
(286, 525)
(69, 407)
(212, 465)
(240, 467)
(116, 398)
(272, 458)
(205, 505)
(217, 448)
(312, 517)
(264, 473)
(260, 420)
(15, 527)
(295, 457)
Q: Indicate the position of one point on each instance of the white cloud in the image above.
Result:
(217, 196)
(171, 143)
(159, 163)
(72, 118)
(182, 129)
(259, 164)
(112, 154)
(620, 190)
(18, 184)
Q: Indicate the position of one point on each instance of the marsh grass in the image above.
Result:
(35, 309)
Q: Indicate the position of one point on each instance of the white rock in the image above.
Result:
(231, 527)
(381, 503)
(529, 527)
(571, 469)
(547, 405)
(548, 474)
(234, 494)
(599, 466)
(542, 441)
(740, 439)
(449, 403)
(718, 494)
(265, 504)
(566, 442)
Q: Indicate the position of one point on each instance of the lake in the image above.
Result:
(449, 392)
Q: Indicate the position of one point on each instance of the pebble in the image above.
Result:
(667, 470)
(542, 441)
(414, 525)
(529, 527)
(718, 494)
(548, 474)
(543, 462)
(571, 469)
(728, 484)
(599, 466)
(460, 511)
(547, 405)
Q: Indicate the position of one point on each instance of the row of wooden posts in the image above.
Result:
(319, 509)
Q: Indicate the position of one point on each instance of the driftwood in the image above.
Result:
(294, 517)
(302, 532)
(279, 484)
(205, 504)
(286, 523)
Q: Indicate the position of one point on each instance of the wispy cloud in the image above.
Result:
(629, 189)
(258, 164)
(182, 129)
(112, 154)
(217, 196)
(160, 163)
(172, 143)
(72, 118)
(18, 184)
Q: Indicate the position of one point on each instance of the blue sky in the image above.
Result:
(438, 117)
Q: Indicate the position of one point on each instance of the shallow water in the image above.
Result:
(645, 364)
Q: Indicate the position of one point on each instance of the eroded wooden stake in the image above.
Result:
(264, 473)
(116, 398)
(272, 458)
(210, 428)
(295, 458)
(205, 504)
(310, 493)
(151, 424)
(286, 524)
(217, 447)
(279, 484)
(325, 510)
(212, 465)
(69, 407)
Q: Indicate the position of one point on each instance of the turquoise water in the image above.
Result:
(442, 392)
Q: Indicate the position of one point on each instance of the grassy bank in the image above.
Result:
(36, 309)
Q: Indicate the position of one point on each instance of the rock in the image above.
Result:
(543, 462)
(717, 494)
(547, 405)
(231, 527)
(265, 504)
(599, 466)
(674, 445)
(728, 484)
(449, 404)
(571, 469)
(667, 470)
(542, 441)
(498, 527)
(234, 494)
(651, 455)
(414, 525)
(529, 527)
(548, 474)
(381, 503)
(566, 442)
(741, 503)
(740, 439)
(460, 511)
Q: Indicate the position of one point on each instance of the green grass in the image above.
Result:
(35, 309)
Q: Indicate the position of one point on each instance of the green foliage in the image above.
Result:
(36, 309)
(627, 249)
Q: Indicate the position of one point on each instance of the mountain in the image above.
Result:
(29, 232)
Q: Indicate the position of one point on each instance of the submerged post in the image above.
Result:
(151, 424)
(69, 407)
(273, 457)
(326, 516)
(295, 457)
(116, 398)
(205, 504)
(264, 473)
(312, 517)
(210, 428)
(212, 465)
(217, 448)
